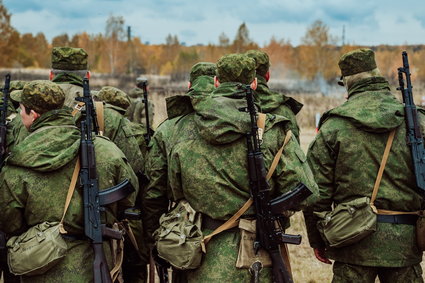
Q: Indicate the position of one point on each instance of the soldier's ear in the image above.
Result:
(189, 85)
(51, 75)
(216, 81)
(267, 76)
(254, 84)
(88, 75)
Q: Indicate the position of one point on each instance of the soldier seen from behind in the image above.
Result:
(270, 101)
(346, 157)
(207, 167)
(36, 178)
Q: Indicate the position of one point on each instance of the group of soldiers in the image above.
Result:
(199, 155)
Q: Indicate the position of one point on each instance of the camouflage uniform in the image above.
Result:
(117, 101)
(38, 172)
(345, 157)
(207, 166)
(270, 101)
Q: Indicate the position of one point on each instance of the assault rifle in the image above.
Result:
(413, 131)
(142, 83)
(3, 126)
(269, 219)
(93, 199)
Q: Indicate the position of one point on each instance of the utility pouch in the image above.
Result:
(37, 250)
(179, 237)
(42, 246)
(348, 223)
(246, 254)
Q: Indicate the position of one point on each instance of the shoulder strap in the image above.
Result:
(379, 178)
(100, 117)
(70, 193)
(233, 221)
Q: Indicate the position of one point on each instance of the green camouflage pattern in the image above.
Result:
(135, 92)
(278, 104)
(41, 96)
(204, 152)
(136, 111)
(202, 85)
(114, 96)
(357, 61)
(38, 172)
(236, 68)
(262, 61)
(345, 157)
(344, 272)
(69, 58)
(14, 85)
(202, 69)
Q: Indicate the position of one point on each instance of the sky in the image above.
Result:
(201, 22)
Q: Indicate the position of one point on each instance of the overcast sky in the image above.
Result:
(201, 22)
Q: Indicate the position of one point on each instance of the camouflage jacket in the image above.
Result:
(207, 153)
(202, 85)
(278, 104)
(345, 158)
(34, 184)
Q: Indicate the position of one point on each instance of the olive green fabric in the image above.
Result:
(357, 61)
(348, 223)
(278, 104)
(262, 61)
(202, 69)
(135, 92)
(205, 153)
(41, 96)
(236, 68)
(35, 181)
(136, 111)
(344, 272)
(114, 96)
(69, 58)
(345, 157)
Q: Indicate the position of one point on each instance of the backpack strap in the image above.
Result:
(71, 190)
(379, 178)
(234, 220)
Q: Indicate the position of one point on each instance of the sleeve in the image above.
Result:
(322, 163)
(12, 203)
(155, 200)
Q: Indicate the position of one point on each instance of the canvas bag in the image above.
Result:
(352, 221)
(41, 247)
(179, 236)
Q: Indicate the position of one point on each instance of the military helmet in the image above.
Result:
(357, 61)
(236, 68)
(40, 95)
(114, 96)
(69, 58)
(202, 69)
(262, 61)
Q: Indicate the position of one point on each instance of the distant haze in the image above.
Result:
(201, 22)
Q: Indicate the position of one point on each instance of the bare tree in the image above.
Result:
(114, 33)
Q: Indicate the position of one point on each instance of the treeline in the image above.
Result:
(116, 52)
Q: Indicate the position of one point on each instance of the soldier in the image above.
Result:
(69, 67)
(345, 157)
(270, 101)
(207, 166)
(34, 183)
(135, 259)
(136, 111)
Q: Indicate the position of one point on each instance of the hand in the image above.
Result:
(320, 255)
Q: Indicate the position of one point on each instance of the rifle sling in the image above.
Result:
(71, 190)
(378, 182)
(99, 113)
(234, 220)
